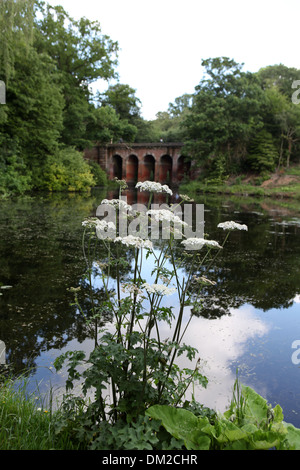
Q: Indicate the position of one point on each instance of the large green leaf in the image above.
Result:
(182, 424)
(256, 408)
(293, 436)
(225, 432)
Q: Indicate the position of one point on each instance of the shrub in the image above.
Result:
(67, 171)
(100, 177)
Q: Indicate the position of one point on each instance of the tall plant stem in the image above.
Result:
(89, 264)
(176, 334)
(134, 300)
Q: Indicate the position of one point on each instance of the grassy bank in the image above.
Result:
(24, 425)
(285, 184)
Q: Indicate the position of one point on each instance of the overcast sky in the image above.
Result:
(162, 42)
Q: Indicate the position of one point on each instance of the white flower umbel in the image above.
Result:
(130, 288)
(230, 225)
(136, 242)
(90, 222)
(105, 229)
(153, 187)
(199, 243)
(160, 215)
(158, 289)
(117, 204)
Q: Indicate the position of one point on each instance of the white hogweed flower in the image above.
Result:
(131, 288)
(158, 289)
(103, 229)
(136, 242)
(198, 243)
(153, 187)
(164, 214)
(117, 204)
(90, 222)
(230, 225)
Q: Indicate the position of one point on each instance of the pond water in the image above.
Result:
(250, 319)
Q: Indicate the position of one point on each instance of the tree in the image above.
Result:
(262, 152)
(279, 76)
(16, 28)
(35, 109)
(48, 61)
(289, 121)
(33, 114)
(281, 115)
(168, 124)
(82, 55)
(225, 113)
(123, 100)
(105, 126)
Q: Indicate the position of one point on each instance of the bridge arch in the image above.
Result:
(117, 166)
(132, 169)
(148, 168)
(165, 169)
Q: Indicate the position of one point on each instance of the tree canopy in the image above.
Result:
(239, 121)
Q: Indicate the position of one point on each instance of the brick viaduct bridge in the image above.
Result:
(161, 162)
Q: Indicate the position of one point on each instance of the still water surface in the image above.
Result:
(250, 318)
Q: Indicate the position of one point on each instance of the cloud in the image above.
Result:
(221, 343)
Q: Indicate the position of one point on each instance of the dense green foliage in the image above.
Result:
(238, 121)
(249, 424)
(48, 62)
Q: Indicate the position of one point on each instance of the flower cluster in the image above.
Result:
(131, 288)
(103, 228)
(136, 242)
(230, 225)
(158, 289)
(153, 187)
(164, 214)
(198, 243)
(90, 222)
(117, 204)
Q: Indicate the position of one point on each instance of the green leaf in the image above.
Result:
(182, 424)
(225, 431)
(256, 407)
(278, 414)
(293, 436)
(265, 440)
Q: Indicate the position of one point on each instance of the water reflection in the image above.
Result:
(249, 318)
(220, 343)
